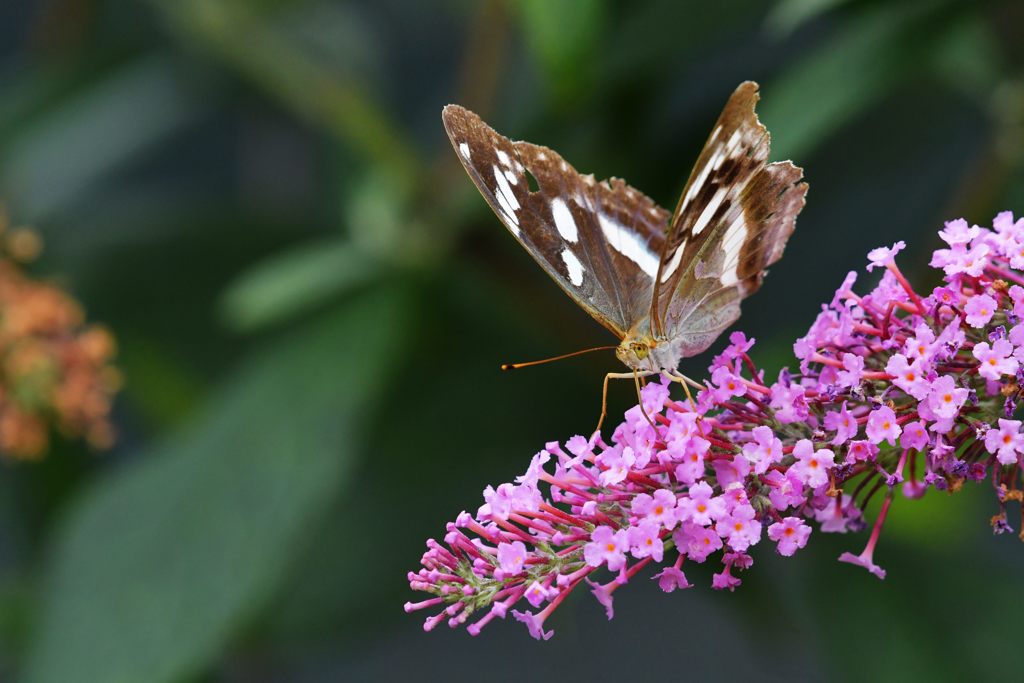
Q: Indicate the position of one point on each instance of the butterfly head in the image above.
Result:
(643, 352)
(635, 352)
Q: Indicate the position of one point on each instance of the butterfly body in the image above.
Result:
(666, 284)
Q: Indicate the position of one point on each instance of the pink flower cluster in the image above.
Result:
(896, 391)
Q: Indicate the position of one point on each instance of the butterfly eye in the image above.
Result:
(640, 350)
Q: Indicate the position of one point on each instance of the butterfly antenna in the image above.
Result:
(516, 366)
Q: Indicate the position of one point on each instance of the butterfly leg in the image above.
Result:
(604, 395)
(635, 376)
(686, 382)
(640, 399)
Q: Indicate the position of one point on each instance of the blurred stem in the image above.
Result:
(483, 57)
(234, 33)
(482, 61)
(989, 175)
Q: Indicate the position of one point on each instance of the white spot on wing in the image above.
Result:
(628, 244)
(673, 263)
(509, 215)
(564, 220)
(511, 177)
(734, 138)
(575, 268)
(503, 158)
(697, 184)
(505, 189)
(506, 200)
(734, 241)
(709, 211)
(718, 158)
(542, 156)
(464, 150)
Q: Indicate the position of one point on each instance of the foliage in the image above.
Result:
(311, 301)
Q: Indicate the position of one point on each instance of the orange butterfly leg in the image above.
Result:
(686, 381)
(640, 401)
(635, 376)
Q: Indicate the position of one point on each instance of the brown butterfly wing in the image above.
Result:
(599, 240)
(732, 221)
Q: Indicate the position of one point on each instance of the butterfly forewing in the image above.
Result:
(600, 240)
(732, 221)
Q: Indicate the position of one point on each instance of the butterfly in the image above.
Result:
(666, 285)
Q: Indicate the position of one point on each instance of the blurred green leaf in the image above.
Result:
(147, 363)
(159, 565)
(17, 606)
(384, 228)
(789, 15)
(831, 85)
(563, 37)
(260, 50)
(970, 60)
(294, 282)
(61, 155)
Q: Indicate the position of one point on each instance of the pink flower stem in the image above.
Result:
(755, 386)
(752, 368)
(894, 269)
(869, 549)
(565, 486)
(901, 463)
(867, 329)
(1005, 275)
(561, 514)
(532, 524)
(825, 360)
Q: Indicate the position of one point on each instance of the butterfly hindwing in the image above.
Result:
(732, 221)
(599, 240)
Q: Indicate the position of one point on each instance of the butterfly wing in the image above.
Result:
(732, 221)
(599, 240)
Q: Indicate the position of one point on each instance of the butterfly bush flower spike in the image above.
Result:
(896, 394)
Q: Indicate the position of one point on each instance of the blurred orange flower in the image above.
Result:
(55, 371)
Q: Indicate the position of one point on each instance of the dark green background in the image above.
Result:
(312, 302)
